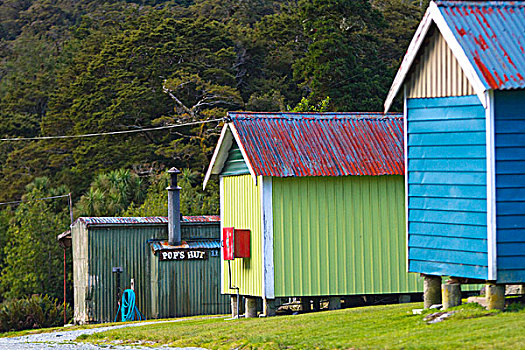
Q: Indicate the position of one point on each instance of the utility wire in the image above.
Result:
(109, 132)
(36, 199)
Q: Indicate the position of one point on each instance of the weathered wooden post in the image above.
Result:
(234, 306)
(431, 290)
(495, 294)
(451, 294)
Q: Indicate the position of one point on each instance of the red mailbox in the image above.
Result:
(235, 243)
(227, 243)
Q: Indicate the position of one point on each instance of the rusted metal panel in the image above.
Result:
(90, 221)
(321, 144)
(438, 73)
(492, 35)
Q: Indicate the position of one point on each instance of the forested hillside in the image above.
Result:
(71, 67)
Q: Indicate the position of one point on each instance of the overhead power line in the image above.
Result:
(109, 132)
(33, 200)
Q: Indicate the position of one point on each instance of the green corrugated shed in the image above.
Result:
(163, 289)
(323, 198)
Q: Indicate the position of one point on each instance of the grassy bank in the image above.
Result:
(392, 327)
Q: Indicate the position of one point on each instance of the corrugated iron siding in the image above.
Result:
(321, 144)
(194, 231)
(340, 236)
(102, 246)
(492, 34)
(438, 73)
(242, 210)
(119, 246)
(175, 294)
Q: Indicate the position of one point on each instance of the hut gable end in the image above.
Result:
(437, 72)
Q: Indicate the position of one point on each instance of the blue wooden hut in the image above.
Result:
(464, 104)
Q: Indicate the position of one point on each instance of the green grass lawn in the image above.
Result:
(392, 327)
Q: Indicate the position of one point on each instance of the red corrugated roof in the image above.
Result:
(492, 34)
(321, 144)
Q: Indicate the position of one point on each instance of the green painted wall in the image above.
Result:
(340, 236)
(241, 200)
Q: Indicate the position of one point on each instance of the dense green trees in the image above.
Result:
(76, 67)
(33, 259)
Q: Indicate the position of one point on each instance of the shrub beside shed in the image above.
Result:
(322, 196)
(464, 96)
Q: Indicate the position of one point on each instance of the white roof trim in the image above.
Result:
(409, 58)
(220, 155)
(243, 152)
(458, 51)
(433, 15)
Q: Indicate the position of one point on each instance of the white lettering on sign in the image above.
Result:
(185, 254)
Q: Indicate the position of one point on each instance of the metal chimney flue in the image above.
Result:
(174, 234)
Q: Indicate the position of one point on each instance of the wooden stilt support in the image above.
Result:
(431, 290)
(316, 304)
(251, 307)
(305, 305)
(451, 295)
(269, 307)
(233, 302)
(334, 303)
(495, 294)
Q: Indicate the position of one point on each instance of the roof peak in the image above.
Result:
(478, 3)
(314, 115)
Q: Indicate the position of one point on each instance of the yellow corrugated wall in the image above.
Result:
(242, 210)
(438, 73)
(340, 236)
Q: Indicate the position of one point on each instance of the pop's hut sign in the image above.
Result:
(183, 254)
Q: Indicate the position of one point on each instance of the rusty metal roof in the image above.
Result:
(486, 37)
(90, 221)
(492, 34)
(321, 144)
(194, 244)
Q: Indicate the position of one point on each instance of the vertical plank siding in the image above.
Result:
(438, 73)
(242, 210)
(510, 185)
(340, 236)
(446, 172)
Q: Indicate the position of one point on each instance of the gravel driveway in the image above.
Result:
(66, 340)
